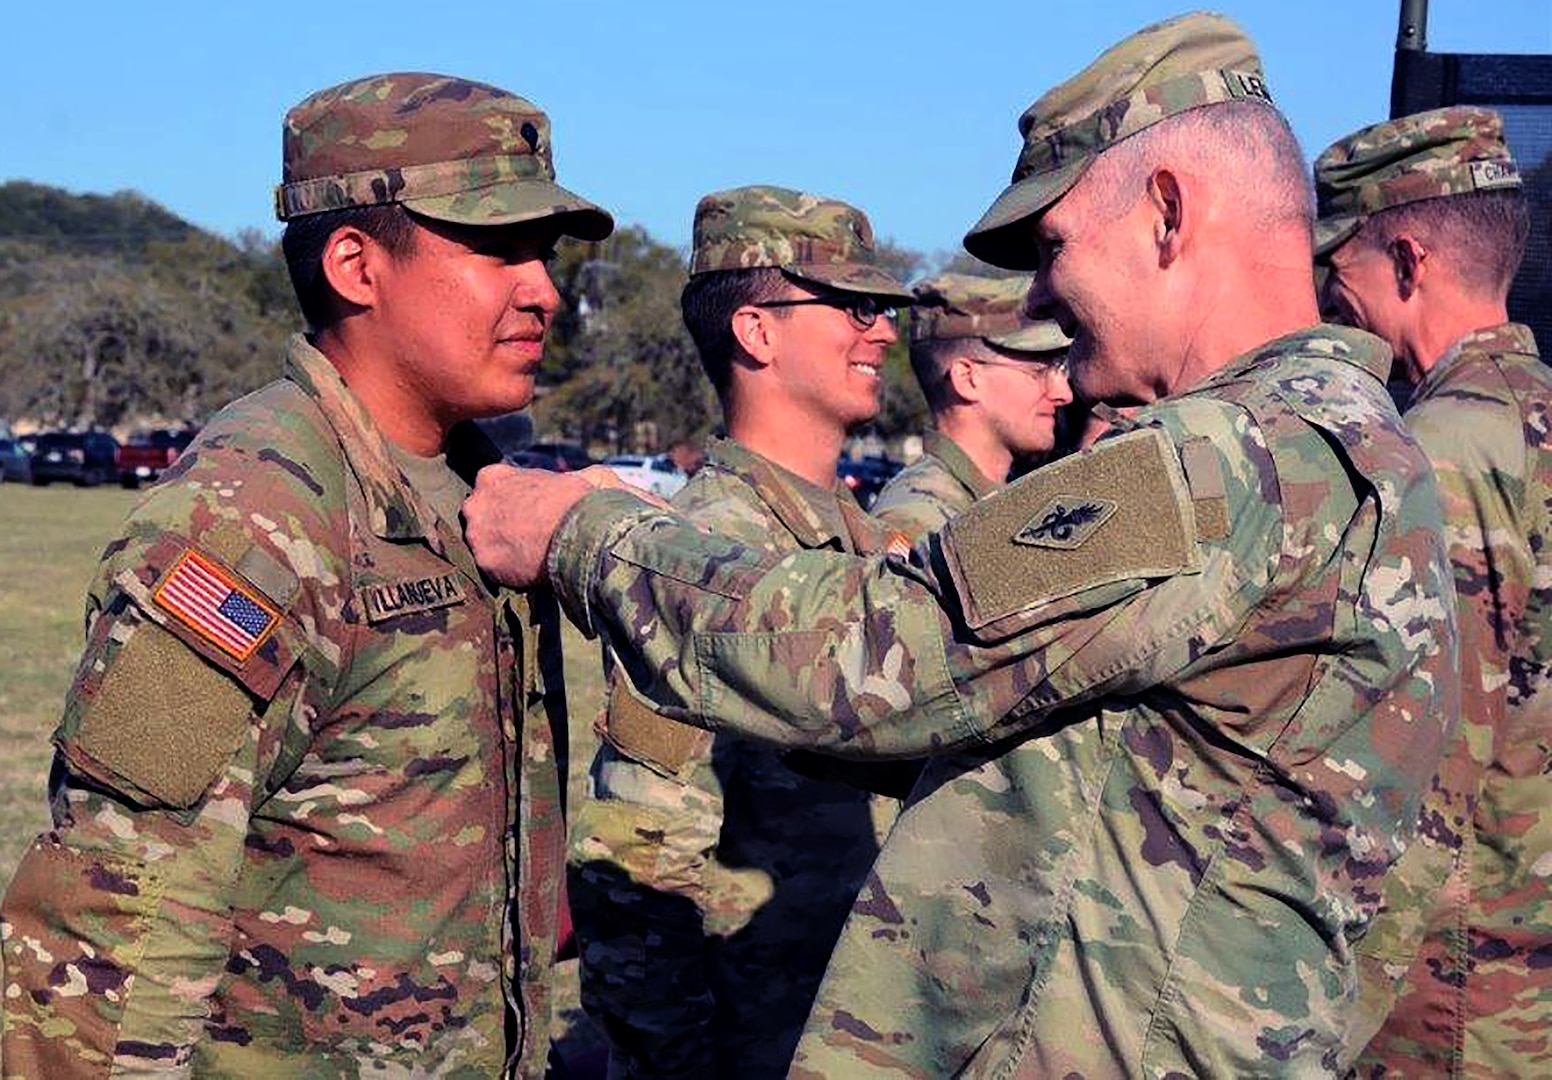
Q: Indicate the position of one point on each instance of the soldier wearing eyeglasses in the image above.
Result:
(709, 880)
(993, 379)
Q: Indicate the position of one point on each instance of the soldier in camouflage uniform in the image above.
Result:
(993, 380)
(1422, 228)
(306, 795)
(1185, 688)
(710, 880)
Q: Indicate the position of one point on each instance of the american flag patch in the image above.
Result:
(215, 605)
(899, 546)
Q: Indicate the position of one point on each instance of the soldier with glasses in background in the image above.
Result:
(709, 878)
(994, 381)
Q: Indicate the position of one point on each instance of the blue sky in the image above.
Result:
(906, 109)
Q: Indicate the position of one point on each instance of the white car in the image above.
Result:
(656, 474)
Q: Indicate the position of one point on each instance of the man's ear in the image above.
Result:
(1409, 259)
(964, 378)
(1167, 196)
(756, 331)
(350, 261)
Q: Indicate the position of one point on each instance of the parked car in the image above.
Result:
(656, 474)
(147, 454)
(16, 460)
(556, 457)
(574, 456)
(85, 458)
(866, 477)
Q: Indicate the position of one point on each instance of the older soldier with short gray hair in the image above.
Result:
(1185, 688)
(306, 795)
(1422, 227)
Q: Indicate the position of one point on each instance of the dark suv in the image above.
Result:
(556, 457)
(866, 477)
(85, 458)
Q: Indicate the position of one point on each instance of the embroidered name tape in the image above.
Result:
(1487, 175)
(217, 606)
(410, 595)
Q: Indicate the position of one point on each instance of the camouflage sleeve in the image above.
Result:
(1478, 450)
(647, 889)
(116, 926)
(1018, 610)
(914, 517)
(642, 855)
(920, 499)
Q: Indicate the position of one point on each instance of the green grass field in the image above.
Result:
(50, 539)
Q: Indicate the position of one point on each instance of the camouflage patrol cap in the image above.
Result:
(447, 148)
(1184, 63)
(1429, 155)
(818, 240)
(952, 306)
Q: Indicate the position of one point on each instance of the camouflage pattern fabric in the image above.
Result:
(1429, 155)
(819, 240)
(1162, 801)
(1161, 71)
(447, 148)
(337, 856)
(708, 890)
(932, 490)
(953, 306)
(1477, 1000)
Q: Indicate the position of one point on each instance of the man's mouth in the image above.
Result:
(865, 368)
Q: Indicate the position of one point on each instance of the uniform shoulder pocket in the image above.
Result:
(175, 669)
(1120, 510)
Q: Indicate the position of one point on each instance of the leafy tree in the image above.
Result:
(625, 370)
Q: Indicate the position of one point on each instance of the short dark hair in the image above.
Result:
(305, 238)
(1482, 234)
(930, 358)
(707, 304)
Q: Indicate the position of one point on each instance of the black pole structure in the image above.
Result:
(1412, 34)
(1416, 72)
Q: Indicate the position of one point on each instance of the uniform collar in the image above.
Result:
(957, 462)
(1492, 340)
(395, 509)
(1359, 348)
(815, 517)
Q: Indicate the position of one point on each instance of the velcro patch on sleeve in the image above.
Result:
(1209, 493)
(633, 729)
(1119, 510)
(216, 604)
(164, 722)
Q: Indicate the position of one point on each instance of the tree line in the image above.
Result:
(116, 313)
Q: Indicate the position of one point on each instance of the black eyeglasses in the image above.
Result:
(863, 310)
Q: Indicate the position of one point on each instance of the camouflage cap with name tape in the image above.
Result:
(951, 306)
(809, 237)
(447, 148)
(1429, 155)
(1184, 63)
